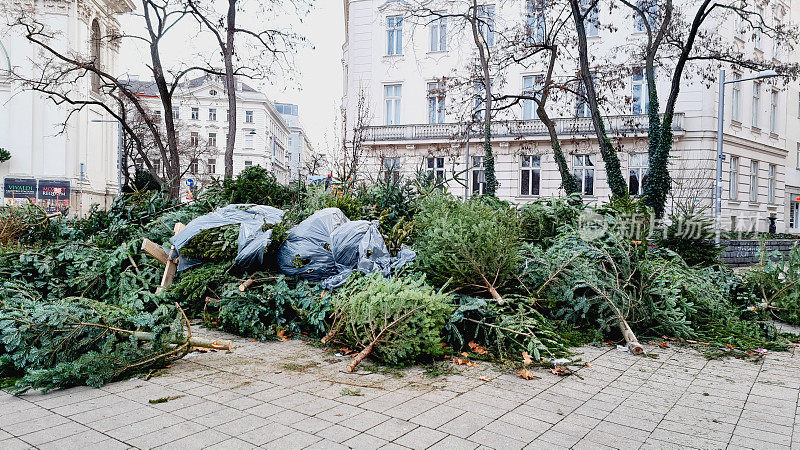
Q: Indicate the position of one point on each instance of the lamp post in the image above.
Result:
(716, 195)
(119, 151)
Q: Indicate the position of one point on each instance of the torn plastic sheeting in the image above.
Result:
(252, 238)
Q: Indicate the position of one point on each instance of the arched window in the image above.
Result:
(95, 46)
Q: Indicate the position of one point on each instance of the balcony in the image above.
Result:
(615, 125)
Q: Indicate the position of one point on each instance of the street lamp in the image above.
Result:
(717, 194)
(119, 151)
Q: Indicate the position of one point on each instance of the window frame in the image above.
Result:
(733, 178)
(736, 98)
(391, 166)
(592, 21)
(212, 139)
(487, 26)
(436, 102)
(394, 35)
(640, 170)
(756, 105)
(533, 89)
(392, 103)
(212, 114)
(771, 183)
(249, 117)
(773, 111)
(536, 20)
(532, 166)
(195, 113)
(641, 83)
(437, 35)
(580, 172)
(435, 169)
(753, 181)
(477, 179)
(211, 166)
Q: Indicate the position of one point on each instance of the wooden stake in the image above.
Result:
(154, 250)
(246, 284)
(630, 338)
(171, 267)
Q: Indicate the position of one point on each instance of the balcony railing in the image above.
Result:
(615, 125)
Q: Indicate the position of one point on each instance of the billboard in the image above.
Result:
(53, 195)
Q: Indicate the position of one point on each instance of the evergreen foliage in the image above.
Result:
(473, 246)
(410, 314)
(257, 185)
(542, 218)
(772, 285)
(214, 244)
(5, 155)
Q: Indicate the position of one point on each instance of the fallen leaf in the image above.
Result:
(484, 378)
(663, 344)
(464, 362)
(587, 364)
(283, 335)
(527, 374)
(465, 354)
(526, 358)
(564, 371)
(477, 348)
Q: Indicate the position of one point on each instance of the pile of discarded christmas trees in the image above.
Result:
(398, 271)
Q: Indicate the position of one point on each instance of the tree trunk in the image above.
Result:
(613, 169)
(630, 338)
(230, 85)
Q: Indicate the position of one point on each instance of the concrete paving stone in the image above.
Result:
(366, 420)
(104, 403)
(15, 444)
(337, 433)
(268, 433)
(242, 425)
(53, 433)
(612, 440)
(11, 416)
(339, 413)
(311, 425)
(365, 442)
(654, 444)
(386, 401)
(119, 420)
(496, 440)
(421, 437)
(699, 429)
(686, 440)
(243, 403)
(182, 401)
(40, 423)
(391, 429)
(200, 390)
(518, 433)
(454, 443)
(465, 425)
(392, 446)
(437, 416)
(558, 439)
(287, 417)
(198, 440)
(410, 408)
(762, 435)
(327, 445)
(315, 406)
(271, 393)
(534, 412)
(198, 410)
(231, 444)
(5, 434)
(769, 427)
(143, 427)
(220, 416)
(166, 435)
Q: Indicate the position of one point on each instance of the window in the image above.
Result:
(532, 85)
(96, 41)
(436, 102)
(392, 94)
(193, 167)
(212, 139)
(773, 112)
(637, 172)
(212, 92)
(195, 113)
(212, 114)
(794, 214)
(478, 178)
(176, 112)
(248, 164)
(486, 18)
(212, 166)
(438, 33)
(157, 115)
(753, 181)
(581, 105)
(436, 169)
(771, 183)
(530, 175)
(756, 103)
(157, 166)
(733, 178)
(536, 20)
(248, 139)
(757, 30)
(480, 97)
(583, 171)
(194, 139)
(394, 35)
(592, 23)
(640, 97)
(391, 169)
(248, 117)
(650, 10)
(736, 95)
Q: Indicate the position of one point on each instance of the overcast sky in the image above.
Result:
(317, 84)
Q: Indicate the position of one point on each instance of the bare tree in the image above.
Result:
(274, 48)
(347, 163)
(678, 37)
(315, 163)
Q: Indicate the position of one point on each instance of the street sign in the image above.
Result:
(189, 182)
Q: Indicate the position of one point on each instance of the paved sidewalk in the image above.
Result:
(287, 395)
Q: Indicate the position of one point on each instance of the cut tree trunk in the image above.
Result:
(630, 338)
(217, 344)
(361, 356)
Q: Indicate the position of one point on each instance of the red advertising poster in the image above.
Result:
(53, 195)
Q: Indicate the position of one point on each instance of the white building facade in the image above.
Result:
(59, 162)
(200, 110)
(397, 63)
